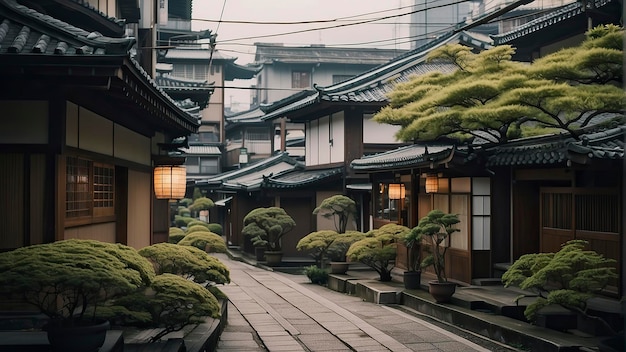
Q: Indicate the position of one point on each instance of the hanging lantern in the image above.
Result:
(170, 181)
(432, 183)
(396, 191)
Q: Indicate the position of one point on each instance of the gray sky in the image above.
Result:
(302, 10)
(385, 34)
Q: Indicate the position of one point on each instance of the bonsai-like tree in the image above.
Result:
(567, 278)
(65, 278)
(202, 203)
(266, 227)
(188, 262)
(492, 98)
(318, 243)
(413, 242)
(171, 303)
(378, 250)
(338, 249)
(338, 207)
(206, 241)
(437, 227)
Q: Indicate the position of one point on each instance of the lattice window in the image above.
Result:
(89, 189)
(103, 189)
(78, 201)
(597, 212)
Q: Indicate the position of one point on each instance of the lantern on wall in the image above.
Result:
(432, 183)
(396, 191)
(170, 181)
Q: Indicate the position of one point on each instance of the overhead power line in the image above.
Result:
(344, 24)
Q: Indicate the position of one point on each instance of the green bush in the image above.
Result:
(196, 228)
(182, 211)
(198, 222)
(316, 274)
(182, 221)
(206, 241)
(567, 278)
(216, 228)
(176, 234)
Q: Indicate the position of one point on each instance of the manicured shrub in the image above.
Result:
(316, 274)
(206, 241)
(216, 228)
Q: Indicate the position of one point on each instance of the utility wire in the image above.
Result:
(346, 24)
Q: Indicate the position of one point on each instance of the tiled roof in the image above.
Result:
(51, 47)
(201, 150)
(19, 33)
(372, 86)
(416, 155)
(251, 176)
(559, 149)
(269, 53)
(170, 82)
(196, 52)
(302, 178)
(550, 19)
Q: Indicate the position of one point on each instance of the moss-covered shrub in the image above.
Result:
(186, 261)
(206, 241)
(216, 228)
(182, 221)
(182, 211)
(196, 228)
(176, 234)
(198, 222)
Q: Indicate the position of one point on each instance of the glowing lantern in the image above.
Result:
(170, 181)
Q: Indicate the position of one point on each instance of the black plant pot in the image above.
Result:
(412, 279)
(80, 338)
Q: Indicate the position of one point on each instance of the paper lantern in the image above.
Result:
(170, 181)
(396, 191)
(432, 184)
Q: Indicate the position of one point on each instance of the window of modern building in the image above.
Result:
(300, 79)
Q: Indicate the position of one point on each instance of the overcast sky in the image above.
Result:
(237, 39)
(386, 34)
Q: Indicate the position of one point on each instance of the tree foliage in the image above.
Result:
(206, 241)
(202, 203)
(339, 208)
(338, 249)
(266, 227)
(436, 227)
(567, 278)
(493, 98)
(378, 249)
(318, 243)
(172, 302)
(65, 278)
(186, 261)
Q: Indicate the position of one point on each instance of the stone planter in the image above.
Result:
(339, 267)
(273, 258)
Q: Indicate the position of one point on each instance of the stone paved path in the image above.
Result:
(272, 311)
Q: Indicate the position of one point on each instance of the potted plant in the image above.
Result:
(266, 226)
(68, 281)
(437, 227)
(568, 278)
(338, 249)
(378, 249)
(338, 207)
(318, 243)
(413, 243)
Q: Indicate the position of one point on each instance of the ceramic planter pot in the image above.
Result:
(441, 291)
(80, 338)
(412, 279)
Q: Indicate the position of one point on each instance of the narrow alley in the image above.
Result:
(274, 311)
